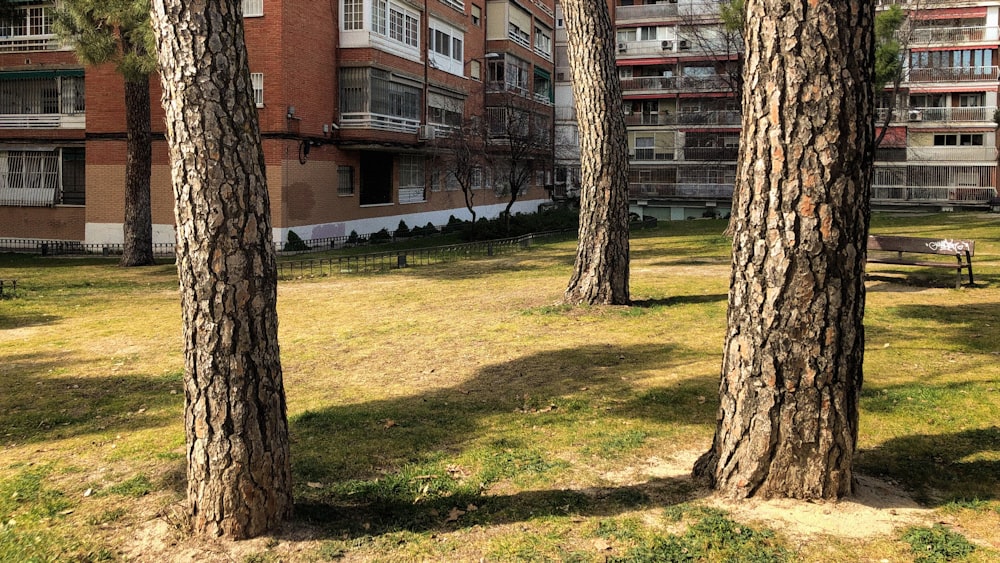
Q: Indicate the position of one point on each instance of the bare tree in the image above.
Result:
(460, 155)
(518, 145)
(792, 366)
(601, 271)
(239, 475)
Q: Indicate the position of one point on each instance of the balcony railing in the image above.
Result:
(922, 114)
(644, 190)
(712, 117)
(675, 83)
(953, 74)
(934, 194)
(629, 13)
(379, 121)
(953, 35)
(42, 121)
(958, 154)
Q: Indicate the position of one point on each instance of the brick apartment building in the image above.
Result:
(679, 70)
(351, 95)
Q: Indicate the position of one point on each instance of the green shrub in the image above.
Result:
(295, 243)
(402, 230)
(937, 544)
(380, 237)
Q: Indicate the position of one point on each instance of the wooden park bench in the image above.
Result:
(900, 250)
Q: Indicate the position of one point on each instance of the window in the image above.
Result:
(29, 29)
(444, 110)
(446, 47)
(970, 100)
(353, 18)
(345, 180)
(379, 10)
(257, 82)
(369, 95)
(647, 33)
(543, 42)
(509, 74)
(475, 70)
(29, 178)
(644, 148)
(403, 24)
(970, 140)
(945, 140)
(411, 179)
(35, 93)
(626, 35)
(253, 8)
(477, 15)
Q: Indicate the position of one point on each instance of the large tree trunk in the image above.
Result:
(239, 477)
(601, 272)
(792, 368)
(138, 225)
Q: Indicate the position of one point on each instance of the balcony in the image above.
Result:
(42, 99)
(378, 121)
(952, 74)
(954, 35)
(933, 194)
(668, 84)
(653, 190)
(940, 115)
(952, 154)
(712, 117)
(624, 14)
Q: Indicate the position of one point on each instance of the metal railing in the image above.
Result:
(937, 114)
(379, 121)
(934, 194)
(397, 259)
(671, 83)
(643, 190)
(952, 74)
(953, 35)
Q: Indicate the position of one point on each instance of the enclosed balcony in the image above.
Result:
(29, 29)
(42, 99)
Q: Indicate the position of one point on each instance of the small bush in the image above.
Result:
(295, 243)
(402, 230)
(380, 237)
(353, 238)
(937, 544)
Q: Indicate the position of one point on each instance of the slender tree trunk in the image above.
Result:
(792, 368)
(601, 272)
(138, 225)
(239, 477)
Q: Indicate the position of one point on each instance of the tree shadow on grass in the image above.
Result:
(970, 327)
(342, 519)
(940, 468)
(38, 403)
(680, 300)
(405, 463)
(11, 320)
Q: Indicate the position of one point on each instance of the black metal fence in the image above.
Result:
(396, 259)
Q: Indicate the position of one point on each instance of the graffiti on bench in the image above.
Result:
(949, 245)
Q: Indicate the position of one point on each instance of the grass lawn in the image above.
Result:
(458, 412)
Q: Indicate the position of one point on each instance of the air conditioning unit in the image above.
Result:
(685, 45)
(667, 45)
(427, 133)
(914, 115)
(622, 47)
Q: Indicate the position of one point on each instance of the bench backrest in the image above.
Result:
(949, 247)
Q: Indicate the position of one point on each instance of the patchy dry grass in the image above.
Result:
(459, 412)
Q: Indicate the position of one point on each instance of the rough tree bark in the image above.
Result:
(792, 367)
(138, 225)
(601, 271)
(239, 477)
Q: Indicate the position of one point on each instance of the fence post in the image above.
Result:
(45, 249)
(489, 249)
